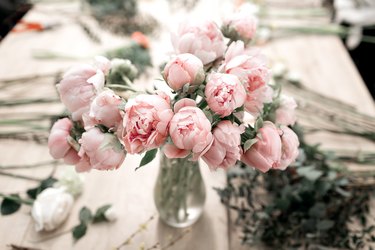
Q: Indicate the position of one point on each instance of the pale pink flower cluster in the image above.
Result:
(213, 85)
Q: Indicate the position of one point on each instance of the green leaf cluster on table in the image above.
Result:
(86, 217)
(308, 205)
(12, 203)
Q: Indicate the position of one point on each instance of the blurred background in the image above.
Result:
(356, 16)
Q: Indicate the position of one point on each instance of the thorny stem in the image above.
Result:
(141, 228)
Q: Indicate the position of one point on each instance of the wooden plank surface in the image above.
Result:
(324, 66)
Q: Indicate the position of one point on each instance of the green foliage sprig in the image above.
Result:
(310, 204)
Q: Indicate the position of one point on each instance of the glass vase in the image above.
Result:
(179, 192)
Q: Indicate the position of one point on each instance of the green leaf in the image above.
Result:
(10, 206)
(318, 210)
(149, 156)
(46, 183)
(79, 231)
(258, 123)
(324, 225)
(85, 215)
(309, 172)
(249, 143)
(100, 214)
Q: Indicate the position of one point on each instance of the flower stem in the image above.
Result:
(13, 198)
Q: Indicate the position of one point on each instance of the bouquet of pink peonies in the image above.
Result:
(220, 107)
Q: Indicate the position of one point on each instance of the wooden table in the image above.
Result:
(322, 61)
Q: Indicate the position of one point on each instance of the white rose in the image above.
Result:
(51, 208)
(72, 181)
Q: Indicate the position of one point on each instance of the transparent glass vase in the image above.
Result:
(179, 192)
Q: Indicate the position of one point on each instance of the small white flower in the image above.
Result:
(110, 214)
(51, 208)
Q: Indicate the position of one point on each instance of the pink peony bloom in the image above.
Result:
(102, 151)
(80, 85)
(104, 110)
(146, 122)
(58, 144)
(290, 144)
(226, 149)
(255, 99)
(266, 152)
(224, 93)
(285, 113)
(190, 130)
(202, 39)
(251, 69)
(241, 25)
(184, 68)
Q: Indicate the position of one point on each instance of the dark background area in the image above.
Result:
(10, 12)
(363, 56)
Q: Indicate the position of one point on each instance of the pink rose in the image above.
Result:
(190, 130)
(285, 113)
(102, 151)
(80, 85)
(224, 93)
(184, 68)
(290, 144)
(202, 39)
(58, 144)
(104, 110)
(266, 152)
(241, 25)
(146, 122)
(226, 149)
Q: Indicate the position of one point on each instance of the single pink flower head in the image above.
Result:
(104, 110)
(183, 69)
(290, 144)
(266, 152)
(190, 131)
(58, 142)
(146, 122)
(224, 93)
(202, 39)
(102, 151)
(286, 112)
(250, 67)
(241, 25)
(226, 147)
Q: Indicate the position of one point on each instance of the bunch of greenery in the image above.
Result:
(309, 206)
